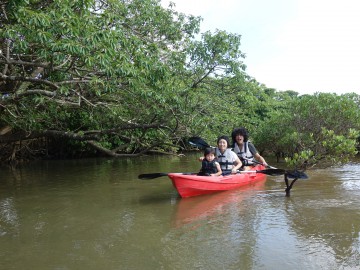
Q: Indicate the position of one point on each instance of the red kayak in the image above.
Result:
(211, 207)
(194, 185)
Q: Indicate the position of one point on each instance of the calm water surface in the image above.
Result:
(96, 214)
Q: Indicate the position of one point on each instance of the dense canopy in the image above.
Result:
(129, 77)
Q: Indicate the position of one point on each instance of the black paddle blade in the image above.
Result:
(151, 175)
(272, 172)
(296, 174)
(198, 142)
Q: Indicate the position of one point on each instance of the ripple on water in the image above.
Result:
(350, 176)
(9, 220)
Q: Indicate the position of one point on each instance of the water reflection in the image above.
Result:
(214, 231)
(209, 207)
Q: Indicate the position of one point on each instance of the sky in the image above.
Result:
(307, 46)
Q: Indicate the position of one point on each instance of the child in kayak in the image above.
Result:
(209, 166)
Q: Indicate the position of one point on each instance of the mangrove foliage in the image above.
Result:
(121, 78)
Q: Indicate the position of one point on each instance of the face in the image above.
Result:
(222, 145)
(239, 139)
(210, 157)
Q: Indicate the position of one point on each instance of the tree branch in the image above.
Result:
(28, 79)
(109, 152)
(195, 84)
(24, 63)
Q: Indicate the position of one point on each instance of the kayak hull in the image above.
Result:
(194, 185)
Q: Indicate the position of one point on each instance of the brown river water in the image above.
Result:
(96, 214)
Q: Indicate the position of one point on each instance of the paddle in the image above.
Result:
(151, 175)
(198, 142)
(272, 172)
(257, 162)
(290, 174)
(295, 175)
(148, 176)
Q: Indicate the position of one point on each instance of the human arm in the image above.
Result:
(259, 158)
(219, 171)
(256, 154)
(237, 164)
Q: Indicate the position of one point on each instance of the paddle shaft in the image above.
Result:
(260, 163)
(148, 176)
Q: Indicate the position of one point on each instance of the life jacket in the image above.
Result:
(244, 154)
(208, 167)
(225, 160)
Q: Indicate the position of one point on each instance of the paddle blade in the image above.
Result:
(198, 142)
(272, 172)
(296, 174)
(146, 176)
